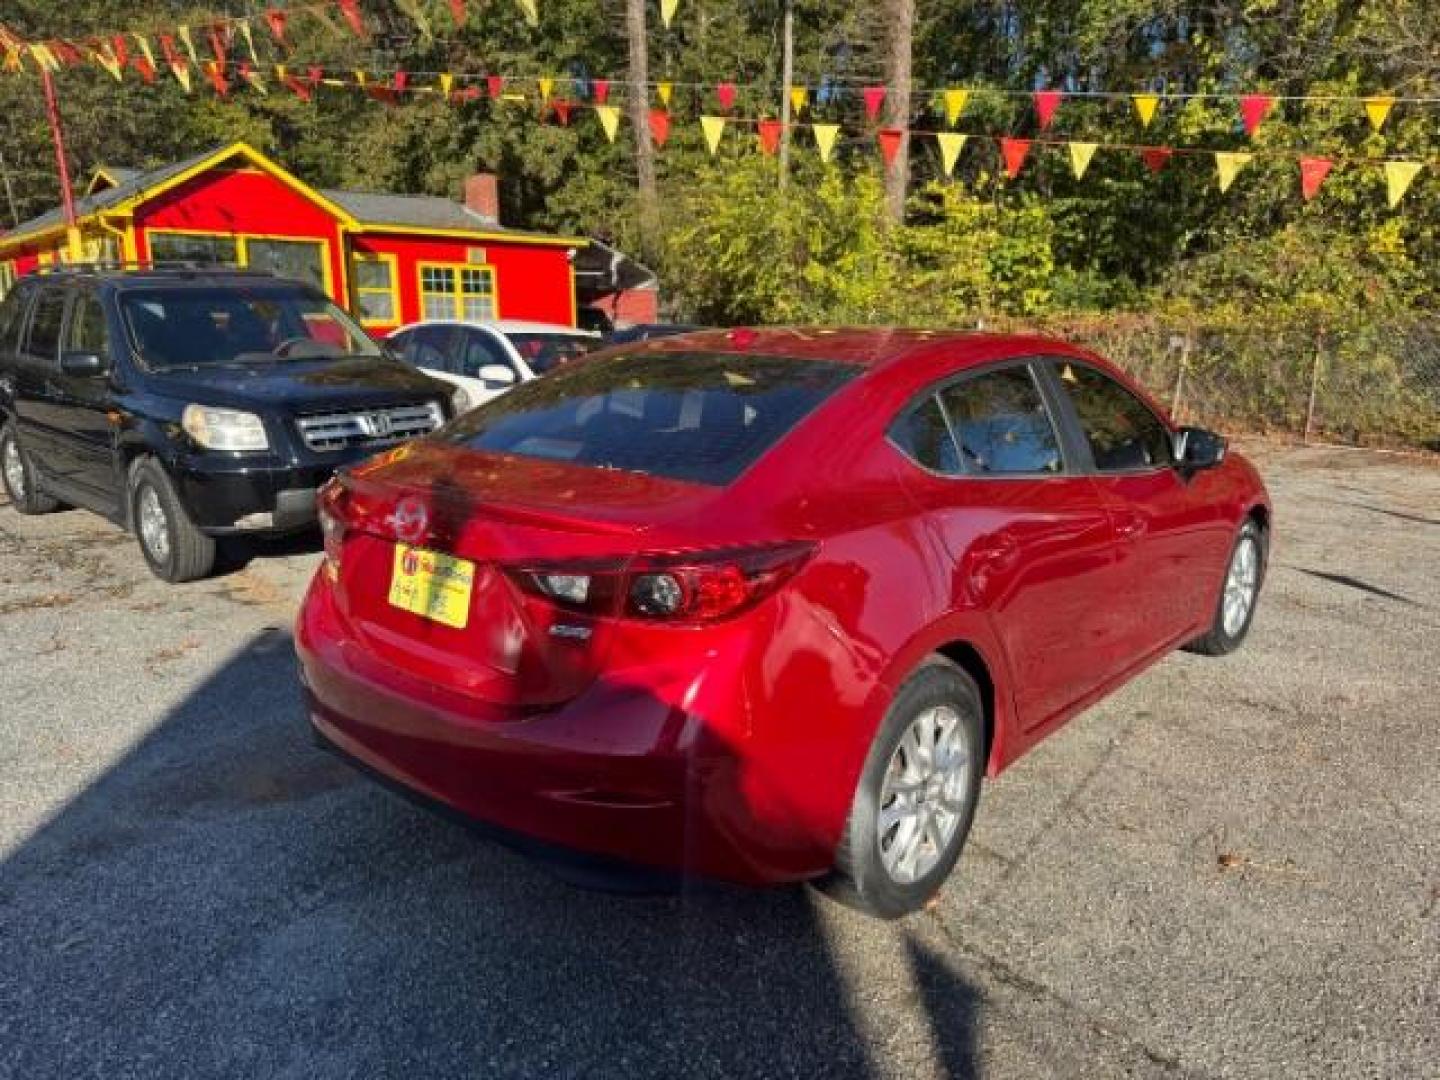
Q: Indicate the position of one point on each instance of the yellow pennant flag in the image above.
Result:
(547, 86)
(189, 44)
(1080, 155)
(951, 143)
(1145, 106)
(665, 90)
(110, 63)
(714, 127)
(799, 96)
(1378, 110)
(280, 72)
(12, 58)
(1228, 165)
(447, 83)
(359, 77)
(144, 44)
(609, 120)
(955, 100)
(1399, 175)
(181, 71)
(531, 10)
(667, 11)
(44, 57)
(249, 41)
(825, 139)
(253, 78)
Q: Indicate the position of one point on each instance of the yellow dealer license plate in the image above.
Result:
(432, 585)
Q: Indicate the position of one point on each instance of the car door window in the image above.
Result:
(11, 318)
(88, 332)
(1124, 434)
(429, 347)
(43, 344)
(923, 433)
(478, 350)
(1001, 424)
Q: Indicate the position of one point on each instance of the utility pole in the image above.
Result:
(901, 16)
(638, 102)
(787, 75)
(67, 197)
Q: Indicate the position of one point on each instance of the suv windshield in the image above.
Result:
(203, 326)
(546, 351)
(702, 417)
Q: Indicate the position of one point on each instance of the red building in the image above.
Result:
(391, 259)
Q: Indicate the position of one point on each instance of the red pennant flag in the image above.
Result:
(457, 12)
(1014, 152)
(562, 109)
(217, 44)
(315, 74)
(600, 91)
(402, 81)
(167, 46)
(770, 135)
(494, 84)
(889, 143)
(1313, 171)
(1046, 102)
(725, 92)
(351, 10)
(659, 126)
(66, 52)
(121, 50)
(301, 88)
(470, 93)
(145, 68)
(216, 76)
(1155, 157)
(1253, 110)
(874, 97)
(275, 20)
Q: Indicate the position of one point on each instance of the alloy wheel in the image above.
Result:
(154, 526)
(1241, 583)
(924, 794)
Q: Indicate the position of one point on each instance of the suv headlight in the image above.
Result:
(224, 429)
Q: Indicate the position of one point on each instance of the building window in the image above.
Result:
(299, 260)
(376, 289)
(202, 248)
(457, 291)
(288, 257)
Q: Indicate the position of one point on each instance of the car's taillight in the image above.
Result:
(329, 508)
(692, 587)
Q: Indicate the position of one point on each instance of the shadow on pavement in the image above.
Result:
(227, 899)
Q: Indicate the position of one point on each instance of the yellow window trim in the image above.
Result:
(458, 296)
(393, 291)
(242, 248)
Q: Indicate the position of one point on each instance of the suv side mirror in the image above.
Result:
(493, 374)
(83, 365)
(1197, 448)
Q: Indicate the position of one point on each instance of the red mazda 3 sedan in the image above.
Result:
(765, 605)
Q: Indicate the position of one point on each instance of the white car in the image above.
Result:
(487, 358)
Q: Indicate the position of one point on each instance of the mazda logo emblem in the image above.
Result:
(409, 519)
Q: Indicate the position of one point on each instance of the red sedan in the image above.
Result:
(766, 605)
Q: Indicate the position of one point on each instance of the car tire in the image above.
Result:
(923, 792)
(18, 475)
(1239, 593)
(174, 548)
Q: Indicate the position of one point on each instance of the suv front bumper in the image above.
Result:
(249, 499)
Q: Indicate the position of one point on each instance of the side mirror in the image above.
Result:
(496, 374)
(1197, 448)
(83, 365)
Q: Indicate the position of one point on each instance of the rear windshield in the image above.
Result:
(546, 351)
(239, 324)
(701, 417)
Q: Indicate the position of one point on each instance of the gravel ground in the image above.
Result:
(1231, 868)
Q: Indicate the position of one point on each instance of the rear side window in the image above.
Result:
(87, 326)
(1123, 433)
(1001, 423)
(700, 417)
(425, 346)
(11, 312)
(924, 434)
(44, 341)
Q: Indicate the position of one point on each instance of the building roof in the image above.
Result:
(382, 211)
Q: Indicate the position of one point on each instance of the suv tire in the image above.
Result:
(174, 548)
(917, 795)
(18, 475)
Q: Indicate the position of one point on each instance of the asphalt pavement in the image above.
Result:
(1230, 868)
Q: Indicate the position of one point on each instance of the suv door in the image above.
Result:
(37, 372)
(1169, 535)
(1029, 534)
(84, 435)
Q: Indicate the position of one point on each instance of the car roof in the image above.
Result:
(506, 326)
(870, 347)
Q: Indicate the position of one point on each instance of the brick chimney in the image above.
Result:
(482, 196)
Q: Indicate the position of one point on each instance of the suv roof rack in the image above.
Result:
(184, 266)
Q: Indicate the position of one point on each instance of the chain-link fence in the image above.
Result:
(1371, 385)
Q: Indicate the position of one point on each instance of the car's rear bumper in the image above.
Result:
(615, 772)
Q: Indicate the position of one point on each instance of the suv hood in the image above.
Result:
(307, 384)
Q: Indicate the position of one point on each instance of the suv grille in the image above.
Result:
(369, 427)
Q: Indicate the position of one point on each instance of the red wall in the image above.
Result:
(532, 281)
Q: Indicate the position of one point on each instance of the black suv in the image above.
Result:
(188, 405)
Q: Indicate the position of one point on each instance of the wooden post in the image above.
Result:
(901, 16)
(1314, 384)
(1185, 345)
(787, 73)
(638, 102)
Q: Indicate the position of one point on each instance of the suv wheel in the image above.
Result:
(173, 547)
(18, 476)
(916, 797)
